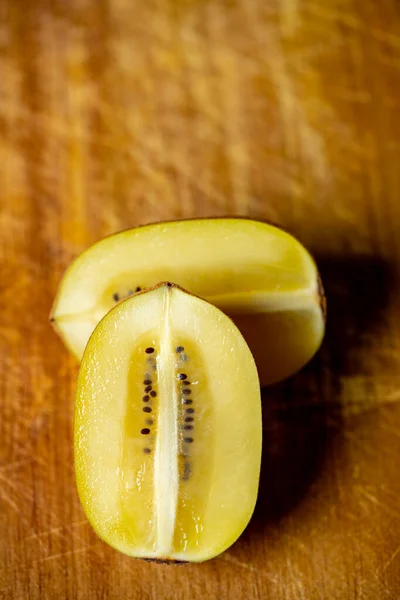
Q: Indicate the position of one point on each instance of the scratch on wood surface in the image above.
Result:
(391, 559)
(382, 505)
(21, 447)
(235, 561)
(297, 584)
(362, 393)
(6, 498)
(295, 540)
(20, 490)
(57, 530)
(15, 465)
(69, 553)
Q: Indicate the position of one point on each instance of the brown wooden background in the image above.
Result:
(120, 112)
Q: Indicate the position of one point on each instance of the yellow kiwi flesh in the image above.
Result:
(167, 431)
(258, 274)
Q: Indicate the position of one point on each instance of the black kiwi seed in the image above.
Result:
(146, 398)
(147, 381)
(188, 440)
(147, 409)
(186, 471)
(190, 411)
(138, 289)
(182, 376)
(145, 431)
(148, 388)
(186, 382)
(180, 349)
(186, 428)
(116, 297)
(147, 450)
(185, 391)
(189, 419)
(149, 350)
(153, 394)
(187, 401)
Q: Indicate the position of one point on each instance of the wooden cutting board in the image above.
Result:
(115, 113)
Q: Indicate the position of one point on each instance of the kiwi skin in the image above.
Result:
(322, 297)
(166, 561)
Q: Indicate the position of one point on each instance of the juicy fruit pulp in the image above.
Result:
(168, 428)
(259, 275)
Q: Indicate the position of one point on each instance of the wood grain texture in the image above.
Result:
(115, 113)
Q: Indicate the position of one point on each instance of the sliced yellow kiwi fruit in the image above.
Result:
(168, 428)
(261, 276)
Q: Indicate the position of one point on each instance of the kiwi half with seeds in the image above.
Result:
(258, 274)
(167, 433)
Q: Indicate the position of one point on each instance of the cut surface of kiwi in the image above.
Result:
(261, 276)
(167, 432)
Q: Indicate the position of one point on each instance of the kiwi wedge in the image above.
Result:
(259, 275)
(167, 433)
